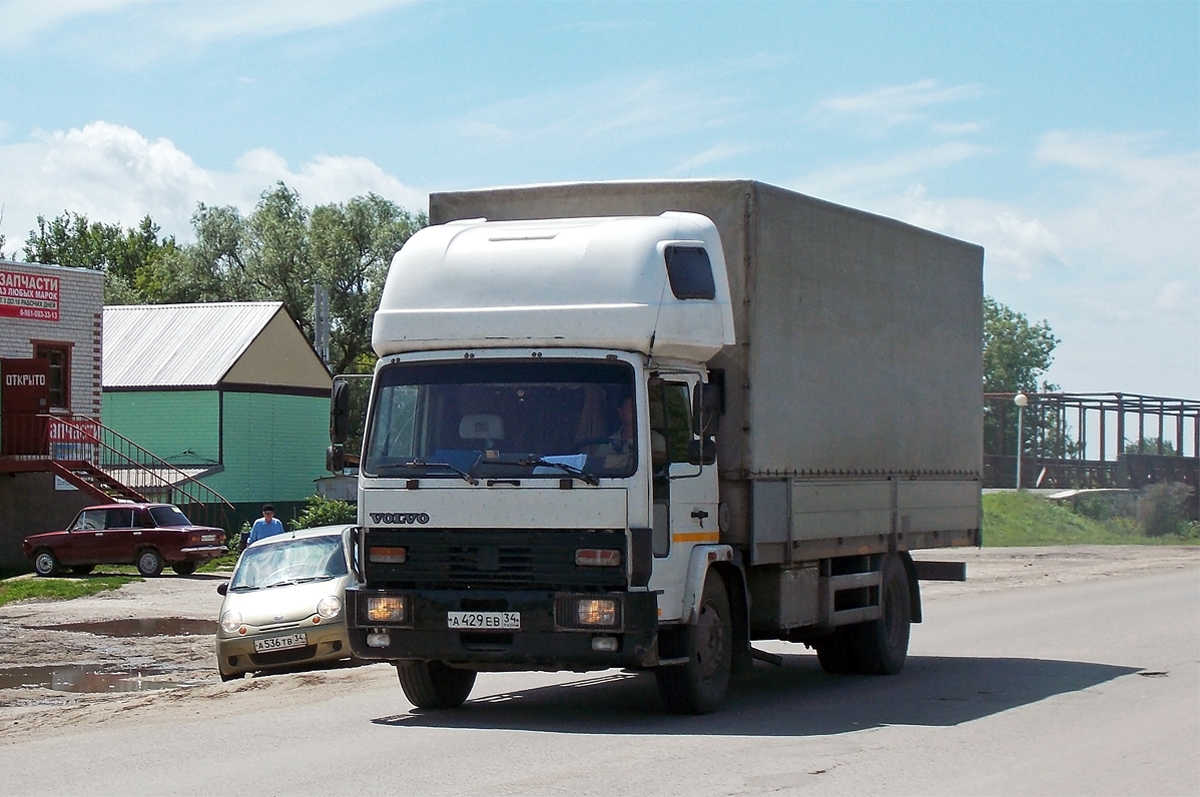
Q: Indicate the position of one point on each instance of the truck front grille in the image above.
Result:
(471, 558)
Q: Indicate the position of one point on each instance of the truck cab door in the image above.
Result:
(684, 495)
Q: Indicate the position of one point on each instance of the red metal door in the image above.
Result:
(24, 394)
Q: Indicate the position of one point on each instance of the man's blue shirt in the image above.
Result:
(262, 529)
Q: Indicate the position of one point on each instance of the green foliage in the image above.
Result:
(1015, 352)
(1023, 519)
(126, 256)
(320, 511)
(1162, 510)
(33, 588)
(1015, 355)
(1150, 446)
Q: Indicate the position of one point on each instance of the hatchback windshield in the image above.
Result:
(502, 419)
(289, 562)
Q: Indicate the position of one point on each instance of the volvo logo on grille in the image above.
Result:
(399, 518)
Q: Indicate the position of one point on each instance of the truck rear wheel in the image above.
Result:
(880, 647)
(833, 651)
(432, 684)
(698, 686)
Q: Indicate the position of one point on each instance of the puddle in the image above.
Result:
(145, 626)
(85, 678)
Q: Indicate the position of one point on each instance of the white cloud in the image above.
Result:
(877, 111)
(112, 173)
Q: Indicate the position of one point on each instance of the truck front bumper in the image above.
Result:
(549, 638)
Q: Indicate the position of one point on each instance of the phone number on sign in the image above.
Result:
(38, 315)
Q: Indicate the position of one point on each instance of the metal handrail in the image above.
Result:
(117, 452)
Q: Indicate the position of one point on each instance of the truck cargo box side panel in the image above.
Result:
(865, 344)
(823, 510)
(937, 505)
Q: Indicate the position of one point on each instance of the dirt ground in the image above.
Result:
(53, 678)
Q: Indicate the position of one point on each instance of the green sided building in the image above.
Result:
(230, 393)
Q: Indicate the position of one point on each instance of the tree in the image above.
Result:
(126, 256)
(1015, 354)
(352, 247)
(278, 252)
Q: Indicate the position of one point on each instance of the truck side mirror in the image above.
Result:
(702, 451)
(335, 459)
(339, 412)
(706, 410)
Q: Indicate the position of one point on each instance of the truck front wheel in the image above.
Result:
(698, 686)
(432, 684)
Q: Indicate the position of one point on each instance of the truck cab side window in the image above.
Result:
(690, 272)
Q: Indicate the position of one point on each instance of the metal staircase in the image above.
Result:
(102, 462)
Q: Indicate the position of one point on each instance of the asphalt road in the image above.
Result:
(1090, 688)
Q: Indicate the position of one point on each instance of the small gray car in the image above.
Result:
(285, 604)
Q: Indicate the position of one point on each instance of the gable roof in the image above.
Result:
(194, 345)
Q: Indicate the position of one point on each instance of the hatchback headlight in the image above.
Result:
(329, 606)
(231, 621)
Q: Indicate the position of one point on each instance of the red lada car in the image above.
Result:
(149, 536)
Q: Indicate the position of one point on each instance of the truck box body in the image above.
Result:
(854, 388)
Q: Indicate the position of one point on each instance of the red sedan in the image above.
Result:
(149, 536)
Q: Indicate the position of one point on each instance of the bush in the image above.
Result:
(1162, 510)
(320, 511)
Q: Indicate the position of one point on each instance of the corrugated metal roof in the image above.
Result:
(179, 345)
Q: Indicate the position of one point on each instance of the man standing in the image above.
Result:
(265, 526)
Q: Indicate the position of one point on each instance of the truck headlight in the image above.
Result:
(386, 608)
(596, 611)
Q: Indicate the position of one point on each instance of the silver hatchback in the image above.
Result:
(285, 604)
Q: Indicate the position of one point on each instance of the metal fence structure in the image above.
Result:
(1093, 440)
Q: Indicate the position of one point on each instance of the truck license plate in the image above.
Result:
(484, 621)
(280, 643)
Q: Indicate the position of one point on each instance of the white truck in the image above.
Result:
(643, 424)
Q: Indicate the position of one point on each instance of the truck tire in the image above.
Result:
(698, 686)
(432, 684)
(833, 651)
(880, 647)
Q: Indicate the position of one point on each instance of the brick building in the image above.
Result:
(51, 325)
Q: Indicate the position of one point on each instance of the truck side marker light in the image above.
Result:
(388, 555)
(597, 557)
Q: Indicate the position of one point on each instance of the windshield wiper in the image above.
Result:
(582, 475)
(420, 463)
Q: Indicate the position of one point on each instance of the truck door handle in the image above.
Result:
(699, 514)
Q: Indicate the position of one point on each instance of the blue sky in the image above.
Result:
(1063, 137)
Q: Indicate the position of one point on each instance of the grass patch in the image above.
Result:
(59, 589)
(1022, 519)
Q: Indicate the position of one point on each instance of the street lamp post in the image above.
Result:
(1021, 400)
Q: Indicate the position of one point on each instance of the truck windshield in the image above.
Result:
(499, 419)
